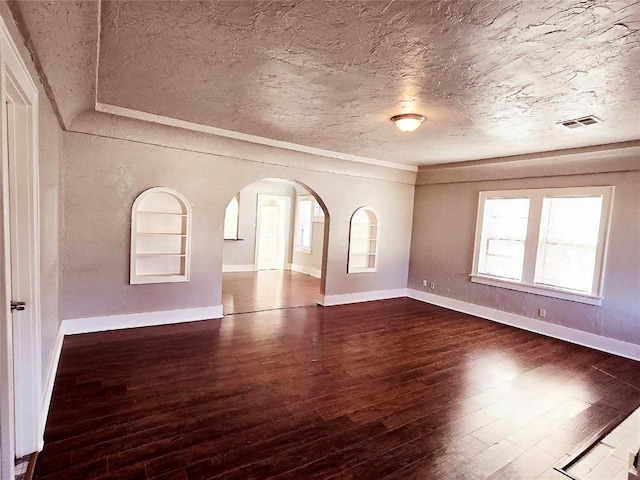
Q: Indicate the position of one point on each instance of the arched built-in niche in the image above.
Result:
(160, 237)
(363, 241)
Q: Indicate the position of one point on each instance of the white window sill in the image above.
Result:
(538, 290)
(302, 249)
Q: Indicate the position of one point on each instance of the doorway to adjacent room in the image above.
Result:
(274, 250)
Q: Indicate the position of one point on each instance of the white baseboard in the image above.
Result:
(591, 340)
(330, 300)
(143, 319)
(314, 272)
(49, 380)
(238, 268)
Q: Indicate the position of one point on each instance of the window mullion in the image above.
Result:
(533, 235)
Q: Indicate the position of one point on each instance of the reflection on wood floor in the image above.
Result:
(244, 292)
(392, 389)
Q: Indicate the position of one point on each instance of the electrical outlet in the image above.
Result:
(542, 312)
(424, 283)
(432, 285)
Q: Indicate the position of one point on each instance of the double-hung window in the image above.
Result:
(304, 215)
(546, 241)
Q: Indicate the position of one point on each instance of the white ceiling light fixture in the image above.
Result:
(408, 122)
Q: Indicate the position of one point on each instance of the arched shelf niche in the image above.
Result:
(363, 241)
(160, 237)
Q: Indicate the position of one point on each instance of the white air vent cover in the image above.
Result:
(581, 122)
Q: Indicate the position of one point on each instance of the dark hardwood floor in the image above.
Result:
(392, 389)
(244, 292)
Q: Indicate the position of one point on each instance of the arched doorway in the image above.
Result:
(275, 236)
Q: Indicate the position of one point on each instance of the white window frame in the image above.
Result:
(536, 198)
(235, 219)
(298, 225)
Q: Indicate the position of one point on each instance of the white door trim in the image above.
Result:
(21, 427)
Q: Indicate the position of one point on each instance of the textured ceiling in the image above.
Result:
(493, 78)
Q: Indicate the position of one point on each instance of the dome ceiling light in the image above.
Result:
(408, 122)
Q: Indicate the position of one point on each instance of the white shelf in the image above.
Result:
(151, 278)
(362, 269)
(144, 255)
(163, 213)
(155, 234)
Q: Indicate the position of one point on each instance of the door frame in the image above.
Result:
(21, 400)
(287, 233)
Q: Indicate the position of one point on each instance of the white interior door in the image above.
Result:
(21, 427)
(24, 294)
(272, 231)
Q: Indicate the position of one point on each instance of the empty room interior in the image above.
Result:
(317, 239)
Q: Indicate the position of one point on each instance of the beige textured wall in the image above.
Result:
(102, 177)
(50, 228)
(443, 238)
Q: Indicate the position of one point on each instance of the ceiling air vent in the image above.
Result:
(581, 122)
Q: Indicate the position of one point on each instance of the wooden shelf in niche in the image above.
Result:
(160, 237)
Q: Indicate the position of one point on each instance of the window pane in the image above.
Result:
(231, 219)
(317, 210)
(303, 235)
(504, 231)
(569, 232)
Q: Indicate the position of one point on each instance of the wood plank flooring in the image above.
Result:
(393, 389)
(244, 292)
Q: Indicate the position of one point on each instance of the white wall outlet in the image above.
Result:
(542, 313)
(424, 283)
(432, 285)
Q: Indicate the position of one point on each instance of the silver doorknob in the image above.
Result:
(19, 306)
